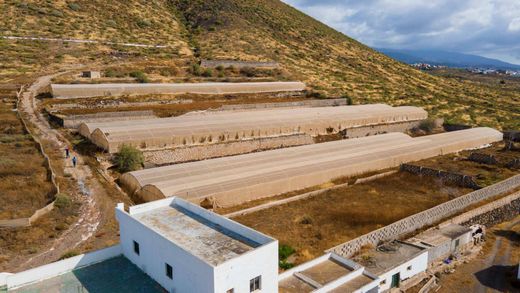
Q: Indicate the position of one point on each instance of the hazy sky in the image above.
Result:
(485, 27)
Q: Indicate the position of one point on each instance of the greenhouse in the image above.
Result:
(233, 180)
(74, 91)
(223, 126)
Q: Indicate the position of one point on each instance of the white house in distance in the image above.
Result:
(186, 248)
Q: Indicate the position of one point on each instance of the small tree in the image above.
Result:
(140, 76)
(129, 159)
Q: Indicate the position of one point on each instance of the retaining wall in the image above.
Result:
(425, 218)
(24, 222)
(490, 214)
(379, 129)
(447, 177)
(202, 152)
(483, 158)
(237, 64)
(305, 103)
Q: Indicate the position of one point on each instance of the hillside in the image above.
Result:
(328, 61)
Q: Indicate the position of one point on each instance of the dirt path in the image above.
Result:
(90, 190)
(495, 258)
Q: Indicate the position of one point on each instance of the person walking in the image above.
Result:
(67, 152)
(74, 161)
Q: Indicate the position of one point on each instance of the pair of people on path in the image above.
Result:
(74, 159)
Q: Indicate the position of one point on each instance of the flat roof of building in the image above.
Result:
(388, 256)
(113, 275)
(208, 236)
(436, 237)
(326, 271)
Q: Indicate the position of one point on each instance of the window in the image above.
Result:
(136, 248)
(409, 268)
(255, 284)
(169, 271)
(230, 290)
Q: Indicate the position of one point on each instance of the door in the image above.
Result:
(395, 280)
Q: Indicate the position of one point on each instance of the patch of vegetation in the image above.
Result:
(427, 125)
(69, 254)
(284, 252)
(62, 201)
(129, 159)
(140, 76)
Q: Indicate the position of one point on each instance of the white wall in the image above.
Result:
(419, 264)
(61, 267)
(236, 273)
(190, 274)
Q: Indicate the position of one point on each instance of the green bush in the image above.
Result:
(129, 159)
(207, 73)
(284, 251)
(195, 69)
(140, 76)
(62, 201)
(427, 125)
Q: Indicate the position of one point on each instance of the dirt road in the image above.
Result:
(89, 190)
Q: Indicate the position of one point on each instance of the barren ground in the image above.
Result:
(319, 223)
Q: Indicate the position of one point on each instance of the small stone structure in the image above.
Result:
(447, 177)
(238, 64)
(91, 74)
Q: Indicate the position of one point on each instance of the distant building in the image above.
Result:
(91, 74)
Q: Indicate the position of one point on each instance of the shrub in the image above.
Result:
(350, 101)
(195, 69)
(284, 251)
(62, 201)
(69, 254)
(129, 159)
(140, 76)
(248, 71)
(427, 125)
(207, 73)
(74, 6)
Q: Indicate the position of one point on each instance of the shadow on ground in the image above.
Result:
(496, 277)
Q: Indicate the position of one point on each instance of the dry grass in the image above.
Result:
(316, 224)
(484, 175)
(23, 176)
(200, 102)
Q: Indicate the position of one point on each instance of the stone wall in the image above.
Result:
(446, 177)
(379, 129)
(237, 64)
(305, 103)
(490, 214)
(425, 218)
(202, 152)
(483, 158)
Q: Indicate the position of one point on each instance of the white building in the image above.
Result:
(186, 248)
(395, 263)
(167, 245)
(328, 273)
